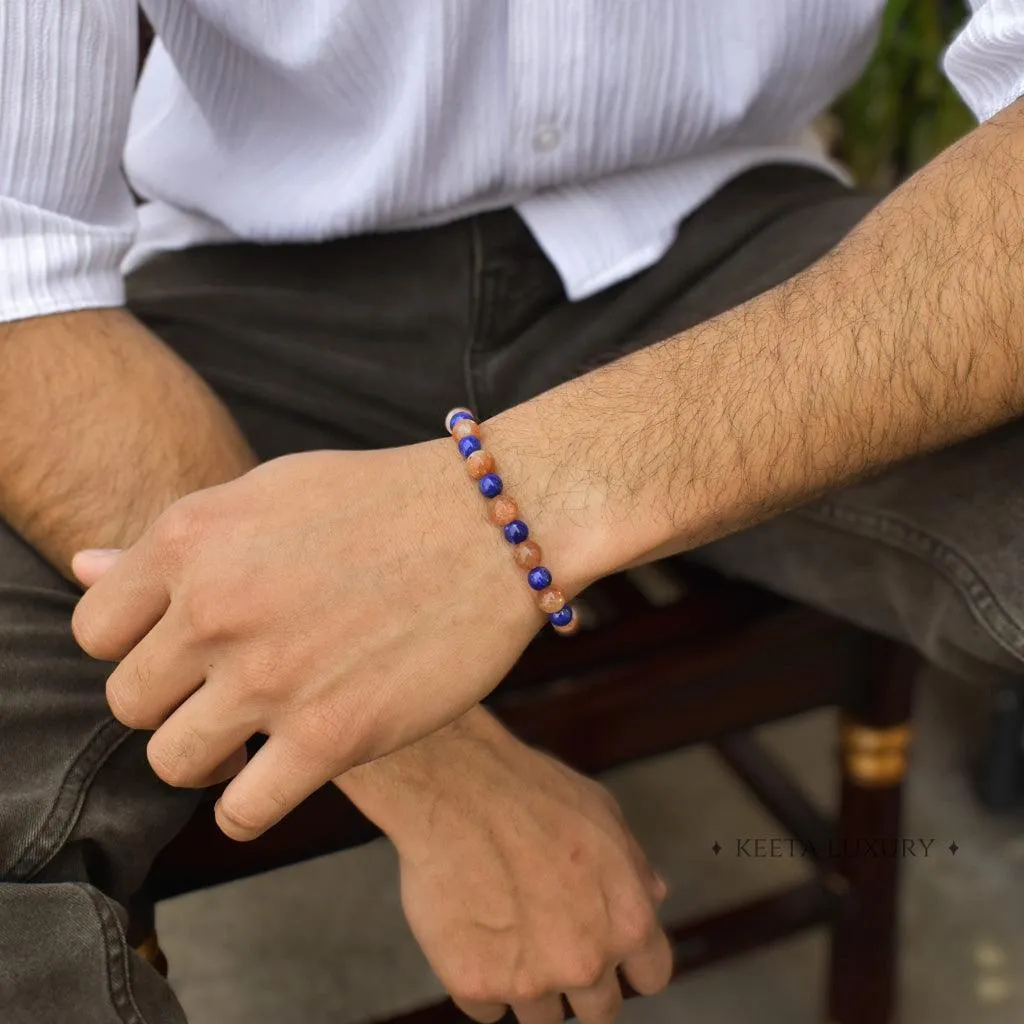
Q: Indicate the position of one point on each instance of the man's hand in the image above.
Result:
(520, 878)
(345, 604)
(349, 604)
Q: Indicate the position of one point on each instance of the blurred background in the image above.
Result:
(903, 110)
(274, 949)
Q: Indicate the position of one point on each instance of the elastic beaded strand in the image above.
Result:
(564, 621)
(504, 513)
(516, 532)
(479, 464)
(502, 510)
(469, 445)
(465, 428)
(539, 578)
(455, 415)
(490, 485)
(527, 555)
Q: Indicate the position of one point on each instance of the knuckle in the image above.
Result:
(180, 527)
(635, 923)
(240, 818)
(525, 989)
(175, 761)
(610, 804)
(262, 673)
(169, 769)
(330, 736)
(205, 614)
(473, 988)
(584, 970)
(90, 629)
(123, 700)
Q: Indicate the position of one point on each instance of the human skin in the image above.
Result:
(906, 337)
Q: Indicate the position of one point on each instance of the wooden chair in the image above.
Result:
(670, 657)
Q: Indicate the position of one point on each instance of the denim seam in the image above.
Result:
(63, 814)
(955, 567)
(118, 968)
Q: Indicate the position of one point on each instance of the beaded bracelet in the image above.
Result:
(504, 512)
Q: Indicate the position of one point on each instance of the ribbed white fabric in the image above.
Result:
(986, 60)
(603, 121)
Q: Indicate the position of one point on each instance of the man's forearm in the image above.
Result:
(102, 427)
(907, 337)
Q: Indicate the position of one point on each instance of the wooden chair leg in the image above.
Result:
(868, 847)
(141, 932)
(149, 950)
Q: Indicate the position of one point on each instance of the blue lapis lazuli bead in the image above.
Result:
(468, 445)
(516, 532)
(539, 578)
(562, 617)
(490, 485)
(455, 419)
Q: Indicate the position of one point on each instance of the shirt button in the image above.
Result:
(546, 139)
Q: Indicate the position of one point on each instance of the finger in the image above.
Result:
(156, 676)
(124, 602)
(88, 566)
(599, 1004)
(659, 889)
(486, 1013)
(200, 737)
(272, 784)
(228, 769)
(656, 886)
(650, 970)
(545, 1010)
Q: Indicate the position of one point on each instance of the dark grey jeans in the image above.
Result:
(367, 342)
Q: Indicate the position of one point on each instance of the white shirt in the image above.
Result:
(604, 122)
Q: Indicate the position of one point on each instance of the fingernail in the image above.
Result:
(89, 565)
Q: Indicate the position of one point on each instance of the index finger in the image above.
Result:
(124, 604)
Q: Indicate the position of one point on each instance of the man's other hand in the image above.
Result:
(520, 878)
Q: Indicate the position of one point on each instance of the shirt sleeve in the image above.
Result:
(67, 76)
(986, 60)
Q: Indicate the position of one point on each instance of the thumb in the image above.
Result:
(89, 565)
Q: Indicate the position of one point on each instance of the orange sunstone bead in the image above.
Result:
(479, 464)
(503, 510)
(527, 554)
(551, 600)
(465, 428)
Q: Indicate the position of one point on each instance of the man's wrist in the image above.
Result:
(559, 464)
(399, 793)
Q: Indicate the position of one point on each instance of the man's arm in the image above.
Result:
(907, 337)
(101, 428)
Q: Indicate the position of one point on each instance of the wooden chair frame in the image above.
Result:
(709, 666)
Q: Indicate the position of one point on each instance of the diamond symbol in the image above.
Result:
(953, 847)
(717, 848)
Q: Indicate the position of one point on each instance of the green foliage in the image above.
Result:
(903, 110)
